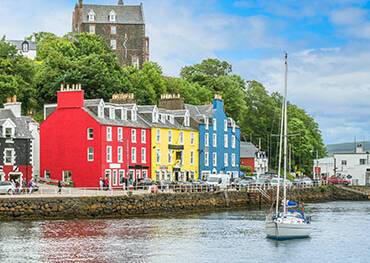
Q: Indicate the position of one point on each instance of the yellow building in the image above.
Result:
(175, 145)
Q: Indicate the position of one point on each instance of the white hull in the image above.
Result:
(277, 230)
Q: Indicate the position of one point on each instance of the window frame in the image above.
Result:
(119, 154)
(133, 136)
(90, 155)
(109, 153)
(133, 155)
(90, 134)
(109, 133)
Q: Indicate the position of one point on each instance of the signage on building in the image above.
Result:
(115, 166)
(175, 147)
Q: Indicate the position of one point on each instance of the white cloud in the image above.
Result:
(333, 85)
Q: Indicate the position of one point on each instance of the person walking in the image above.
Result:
(59, 187)
(30, 187)
(101, 183)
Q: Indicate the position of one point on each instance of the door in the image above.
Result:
(115, 177)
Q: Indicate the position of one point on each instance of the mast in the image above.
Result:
(280, 153)
(285, 127)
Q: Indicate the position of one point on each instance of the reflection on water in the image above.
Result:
(340, 234)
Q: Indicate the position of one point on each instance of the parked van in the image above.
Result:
(219, 180)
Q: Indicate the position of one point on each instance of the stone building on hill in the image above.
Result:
(122, 26)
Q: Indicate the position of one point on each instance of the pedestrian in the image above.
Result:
(101, 183)
(17, 187)
(59, 187)
(30, 187)
(106, 183)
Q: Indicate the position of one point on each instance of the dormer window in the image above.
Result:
(112, 16)
(155, 116)
(9, 133)
(163, 118)
(91, 16)
(25, 47)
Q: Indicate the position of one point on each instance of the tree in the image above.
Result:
(84, 59)
(16, 76)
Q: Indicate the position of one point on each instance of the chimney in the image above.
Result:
(80, 3)
(218, 103)
(171, 102)
(14, 106)
(70, 96)
(120, 2)
(123, 98)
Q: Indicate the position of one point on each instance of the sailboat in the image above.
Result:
(288, 223)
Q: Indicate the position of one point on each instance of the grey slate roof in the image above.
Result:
(247, 150)
(18, 44)
(21, 130)
(198, 111)
(126, 14)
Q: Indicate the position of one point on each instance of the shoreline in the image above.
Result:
(157, 205)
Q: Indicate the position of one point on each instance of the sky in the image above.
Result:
(327, 42)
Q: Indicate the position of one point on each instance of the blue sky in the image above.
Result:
(327, 42)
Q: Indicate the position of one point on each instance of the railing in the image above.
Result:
(47, 190)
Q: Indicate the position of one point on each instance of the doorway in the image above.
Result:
(16, 177)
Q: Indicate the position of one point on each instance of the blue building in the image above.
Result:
(219, 139)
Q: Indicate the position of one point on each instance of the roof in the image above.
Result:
(18, 44)
(125, 14)
(198, 111)
(247, 150)
(22, 129)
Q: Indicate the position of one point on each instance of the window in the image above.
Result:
(226, 159)
(8, 157)
(214, 141)
(90, 154)
(120, 134)
(133, 115)
(138, 174)
(158, 156)
(233, 142)
(143, 155)
(112, 16)
(133, 155)
(113, 30)
(143, 136)
(121, 177)
(225, 125)
(120, 154)
(214, 159)
(233, 160)
(226, 140)
(115, 177)
(145, 174)
(192, 157)
(206, 139)
(158, 135)
(113, 44)
(92, 29)
(135, 62)
(67, 177)
(8, 132)
(181, 138)
(362, 161)
(47, 174)
(169, 157)
(109, 134)
(206, 158)
(90, 133)
(109, 154)
(133, 135)
(214, 122)
(170, 137)
(234, 126)
(344, 162)
(206, 121)
(192, 138)
(91, 16)
(25, 47)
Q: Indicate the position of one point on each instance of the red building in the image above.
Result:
(83, 141)
(251, 156)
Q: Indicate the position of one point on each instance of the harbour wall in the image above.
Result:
(61, 207)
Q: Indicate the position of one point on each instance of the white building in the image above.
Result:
(26, 48)
(253, 157)
(355, 165)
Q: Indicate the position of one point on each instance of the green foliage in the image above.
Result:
(16, 76)
(87, 59)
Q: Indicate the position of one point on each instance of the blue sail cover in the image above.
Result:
(291, 203)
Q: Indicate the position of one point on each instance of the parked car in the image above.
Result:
(336, 180)
(7, 187)
(307, 181)
(219, 180)
(275, 181)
